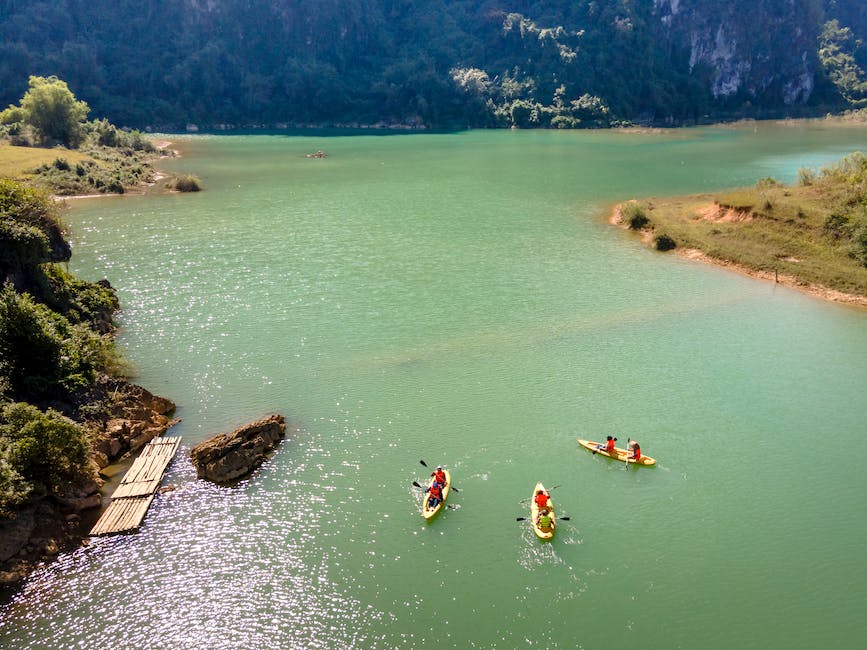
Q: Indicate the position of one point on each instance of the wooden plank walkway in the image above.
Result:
(122, 515)
(133, 496)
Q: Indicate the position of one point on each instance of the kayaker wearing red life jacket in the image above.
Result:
(608, 447)
(541, 499)
(435, 494)
(439, 475)
(636, 449)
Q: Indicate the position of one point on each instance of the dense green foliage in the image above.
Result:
(560, 63)
(49, 114)
(54, 341)
(30, 231)
(844, 185)
(837, 51)
(52, 325)
(40, 453)
(50, 111)
(44, 355)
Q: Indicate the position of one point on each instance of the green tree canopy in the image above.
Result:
(837, 47)
(40, 452)
(30, 230)
(51, 110)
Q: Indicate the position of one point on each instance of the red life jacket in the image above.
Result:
(609, 446)
(435, 491)
(541, 500)
(440, 476)
(636, 452)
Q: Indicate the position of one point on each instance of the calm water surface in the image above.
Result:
(460, 299)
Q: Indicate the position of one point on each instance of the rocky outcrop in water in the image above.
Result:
(229, 456)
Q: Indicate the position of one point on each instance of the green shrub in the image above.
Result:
(21, 245)
(30, 229)
(30, 343)
(564, 122)
(634, 216)
(14, 490)
(187, 183)
(836, 225)
(40, 452)
(806, 177)
(767, 183)
(664, 243)
(28, 205)
(859, 239)
(43, 354)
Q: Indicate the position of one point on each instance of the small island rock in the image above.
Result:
(229, 456)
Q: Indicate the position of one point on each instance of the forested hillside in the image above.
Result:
(441, 63)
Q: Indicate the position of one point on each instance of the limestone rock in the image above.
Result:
(229, 456)
(139, 417)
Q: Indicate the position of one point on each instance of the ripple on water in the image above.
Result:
(205, 565)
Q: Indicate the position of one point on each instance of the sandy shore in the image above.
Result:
(818, 290)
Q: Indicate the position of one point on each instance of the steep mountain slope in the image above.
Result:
(430, 62)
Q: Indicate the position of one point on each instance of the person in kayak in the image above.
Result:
(439, 475)
(608, 447)
(541, 499)
(636, 450)
(545, 522)
(435, 494)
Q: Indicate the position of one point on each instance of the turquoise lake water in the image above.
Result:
(460, 298)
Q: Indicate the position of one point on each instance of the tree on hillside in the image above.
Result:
(51, 110)
(837, 49)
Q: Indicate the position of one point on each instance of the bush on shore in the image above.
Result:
(187, 183)
(634, 215)
(40, 453)
(664, 243)
(42, 354)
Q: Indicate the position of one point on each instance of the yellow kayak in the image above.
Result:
(430, 513)
(619, 454)
(534, 514)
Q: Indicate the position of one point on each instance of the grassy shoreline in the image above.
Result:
(772, 232)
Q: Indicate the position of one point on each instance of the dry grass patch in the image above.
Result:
(18, 163)
(772, 230)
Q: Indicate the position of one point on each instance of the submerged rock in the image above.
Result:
(229, 456)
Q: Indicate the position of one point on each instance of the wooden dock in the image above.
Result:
(133, 496)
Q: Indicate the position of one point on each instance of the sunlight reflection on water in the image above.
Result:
(206, 563)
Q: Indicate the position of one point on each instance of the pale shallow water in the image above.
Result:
(460, 298)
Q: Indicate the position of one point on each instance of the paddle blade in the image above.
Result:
(521, 519)
(454, 489)
(423, 463)
(416, 484)
(564, 518)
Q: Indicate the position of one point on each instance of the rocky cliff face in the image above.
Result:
(747, 49)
